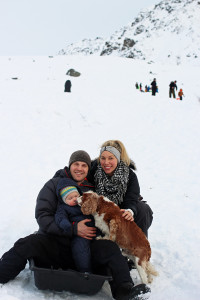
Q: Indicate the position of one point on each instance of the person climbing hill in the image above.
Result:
(180, 93)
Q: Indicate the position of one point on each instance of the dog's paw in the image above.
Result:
(102, 238)
(99, 238)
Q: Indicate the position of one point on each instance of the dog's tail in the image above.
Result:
(151, 269)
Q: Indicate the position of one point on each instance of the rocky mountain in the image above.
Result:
(170, 31)
(86, 47)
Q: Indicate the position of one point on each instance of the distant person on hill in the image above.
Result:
(141, 90)
(154, 87)
(172, 88)
(68, 86)
(180, 93)
(136, 86)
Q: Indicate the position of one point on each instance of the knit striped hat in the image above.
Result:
(66, 191)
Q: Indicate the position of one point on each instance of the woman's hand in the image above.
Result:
(85, 231)
(127, 215)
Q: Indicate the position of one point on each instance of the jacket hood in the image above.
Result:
(63, 173)
(66, 182)
(133, 166)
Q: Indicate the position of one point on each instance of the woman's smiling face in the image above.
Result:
(108, 162)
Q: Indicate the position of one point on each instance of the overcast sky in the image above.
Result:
(43, 27)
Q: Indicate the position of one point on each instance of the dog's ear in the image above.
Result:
(89, 206)
(85, 207)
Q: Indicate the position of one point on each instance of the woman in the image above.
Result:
(113, 176)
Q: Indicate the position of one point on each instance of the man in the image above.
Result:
(154, 87)
(50, 247)
(68, 85)
(172, 88)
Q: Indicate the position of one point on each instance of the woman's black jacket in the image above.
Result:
(132, 195)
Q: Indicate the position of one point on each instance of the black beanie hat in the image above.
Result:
(80, 155)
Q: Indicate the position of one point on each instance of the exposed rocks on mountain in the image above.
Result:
(85, 47)
(158, 33)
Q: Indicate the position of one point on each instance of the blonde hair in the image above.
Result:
(121, 148)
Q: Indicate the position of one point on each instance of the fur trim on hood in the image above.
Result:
(132, 165)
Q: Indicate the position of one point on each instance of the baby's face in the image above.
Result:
(71, 199)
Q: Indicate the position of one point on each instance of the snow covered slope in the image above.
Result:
(40, 126)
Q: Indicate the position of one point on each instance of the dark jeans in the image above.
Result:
(153, 92)
(47, 251)
(172, 93)
(55, 251)
(81, 254)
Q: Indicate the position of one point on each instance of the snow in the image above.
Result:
(41, 126)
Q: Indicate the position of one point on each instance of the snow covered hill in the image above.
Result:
(40, 126)
(168, 31)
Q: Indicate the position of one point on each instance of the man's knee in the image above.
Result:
(34, 245)
(25, 246)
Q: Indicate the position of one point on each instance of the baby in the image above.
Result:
(67, 216)
(69, 194)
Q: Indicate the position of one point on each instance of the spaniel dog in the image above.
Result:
(128, 236)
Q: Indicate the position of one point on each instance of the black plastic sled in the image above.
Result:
(67, 280)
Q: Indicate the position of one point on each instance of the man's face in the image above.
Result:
(79, 171)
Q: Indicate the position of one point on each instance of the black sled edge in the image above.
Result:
(67, 280)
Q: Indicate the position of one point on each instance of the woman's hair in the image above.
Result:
(121, 148)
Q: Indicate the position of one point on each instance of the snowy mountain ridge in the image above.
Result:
(167, 31)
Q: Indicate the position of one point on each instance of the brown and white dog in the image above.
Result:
(128, 236)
